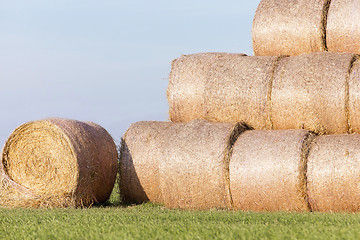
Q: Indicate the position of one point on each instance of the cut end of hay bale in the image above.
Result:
(58, 162)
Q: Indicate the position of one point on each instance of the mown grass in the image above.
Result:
(148, 221)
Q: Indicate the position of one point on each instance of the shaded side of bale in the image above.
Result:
(58, 163)
(334, 173)
(192, 169)
(285, 27)
(141, 152)
(343, 28)
(309, 92)
(237, 90)
(267, 170)
(187, 82)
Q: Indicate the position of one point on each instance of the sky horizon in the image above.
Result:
(107, 62)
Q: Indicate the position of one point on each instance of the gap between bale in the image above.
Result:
(303, 179)
(238, 129)
(347, 92)
(324, 18)
(269, 95)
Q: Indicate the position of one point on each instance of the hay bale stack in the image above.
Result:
(141, 151)
(267, 170)
(309, 91)
(191, 162)
(334, 173)
(58, 163)
(220, 87)
(285, 27)
(343, 27)
(315, 91)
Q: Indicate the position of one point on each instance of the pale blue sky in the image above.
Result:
(106, 61)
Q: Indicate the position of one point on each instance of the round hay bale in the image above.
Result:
(194, 168)
(59, 163)
(221, 87)
(267, 170)
(179, 165)
(141, 151)
(309, 92)
(286, 27)
(334, 173)
(343, 27)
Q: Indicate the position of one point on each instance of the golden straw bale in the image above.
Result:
(58, 163)
(220, 87)
(193, 170)
(239, 85)
(343, 27)
(309, 91)
(286, 27)
(186, 90)
(316, 91)
(141, 151)
(267, 170)
(334, 173)
(180, 165)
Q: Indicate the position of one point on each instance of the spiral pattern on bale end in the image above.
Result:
(57, 163)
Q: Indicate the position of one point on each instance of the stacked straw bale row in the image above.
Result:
(287, 27)
(57, 163)
(203, 165)
(316, 91)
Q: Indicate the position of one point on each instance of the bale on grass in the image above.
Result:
(186, 162)
(57, 163)
(286, 27)
(343, 27)
(334, 173)
(316, 91)
(141, 151)
(267, 170)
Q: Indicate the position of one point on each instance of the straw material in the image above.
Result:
(334, 173)
(188, 79)
(309, 91)
(180, 165)
(354, 95)
(285, 27)
(220, 87)
(57, 163)
(316, 91)
(267, 170)
(343, 28)
(141, 151)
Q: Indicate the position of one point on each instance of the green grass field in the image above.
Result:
(148, 221)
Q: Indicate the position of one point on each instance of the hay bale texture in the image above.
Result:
(316, 91)
(309, 91)
(267, 170)
(184, 164)
(286, 27)
(141, 153)
(204, 165)
(334, 173)
(220, 87)
(57, 163)
(343, 27)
